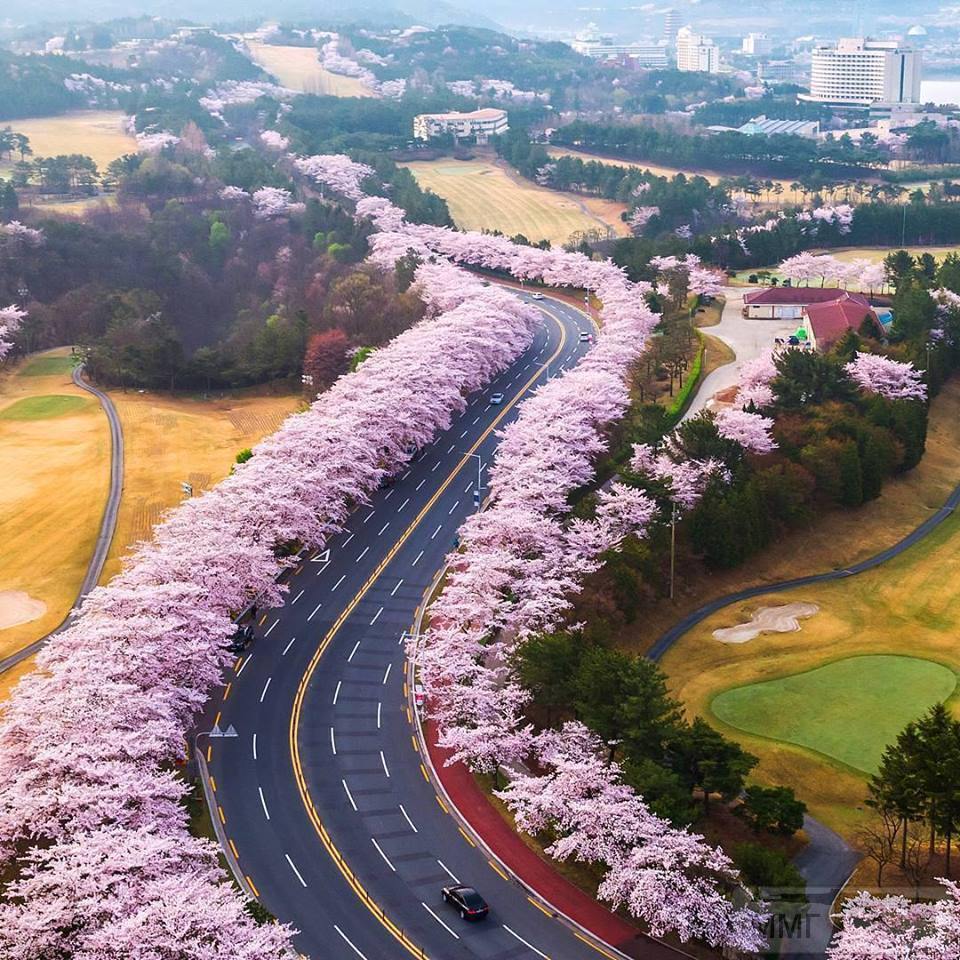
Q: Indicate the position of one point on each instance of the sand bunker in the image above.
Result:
(783, 619)
(18, 607)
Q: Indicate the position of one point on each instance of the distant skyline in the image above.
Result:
(543, 17)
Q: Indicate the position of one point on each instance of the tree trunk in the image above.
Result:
(903, 845)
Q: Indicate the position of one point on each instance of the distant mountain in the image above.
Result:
(374, 12)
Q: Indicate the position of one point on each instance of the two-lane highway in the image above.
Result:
(322, 796)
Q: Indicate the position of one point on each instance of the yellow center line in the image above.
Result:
(298, 700)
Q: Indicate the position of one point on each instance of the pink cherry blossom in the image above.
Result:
(274, 140)
(10, 319)
(894, 928)
(640, 217)
(750, 430)
(888, 378)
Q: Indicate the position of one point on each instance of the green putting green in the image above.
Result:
(43, 408)
(849, 710)
(47, 366)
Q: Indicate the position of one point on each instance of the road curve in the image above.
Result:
(670, 637)
(322, 796)
(108, 522)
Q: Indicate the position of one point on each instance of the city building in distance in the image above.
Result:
(858, 72)
(671, 26)
(757, 45)
(479, 124)
(651, 54)
(696, 52)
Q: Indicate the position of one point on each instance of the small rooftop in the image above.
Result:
(800, 295)
(487, 113)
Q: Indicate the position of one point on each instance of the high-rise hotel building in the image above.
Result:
(858, 72)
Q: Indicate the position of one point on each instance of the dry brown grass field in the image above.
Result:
(54, 460)
(299, 69)
(98, 134)
(172, 440)
(907, 606)
(482, 195)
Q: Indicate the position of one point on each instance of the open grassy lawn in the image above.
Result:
(170, 440)
(482, 195)
(848, 709)
(54, 461)
(299, 69)
(43, 408)
(97, 133)
(908, 606)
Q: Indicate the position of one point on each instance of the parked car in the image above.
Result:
(465, 899)
(496, 399)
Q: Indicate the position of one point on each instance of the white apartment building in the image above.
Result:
(671, 25)
(860, 71)
(757, 45)
(481, 124)
(652, 54)
(696, 52)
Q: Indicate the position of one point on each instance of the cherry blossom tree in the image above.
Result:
(10, 319)
(888, 378)
(750, 430)
(640, 216)
(274, 140)
(672, 879)
(272, 202)
(894, 928)
(756, 377)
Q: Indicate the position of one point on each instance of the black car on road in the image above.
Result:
(470, 904)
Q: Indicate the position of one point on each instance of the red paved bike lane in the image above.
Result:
(536, 873)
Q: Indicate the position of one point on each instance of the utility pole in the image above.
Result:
(673, 546)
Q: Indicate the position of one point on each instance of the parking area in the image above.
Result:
(747, 337)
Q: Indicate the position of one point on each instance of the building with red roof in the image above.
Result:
(823, 314)
(786, 303)
(826, 323)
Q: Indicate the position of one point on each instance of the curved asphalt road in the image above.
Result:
(108, 522)
(325, 765)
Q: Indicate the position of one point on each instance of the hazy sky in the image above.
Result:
(545, 17)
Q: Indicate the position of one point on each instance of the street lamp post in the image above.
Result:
(476, 493)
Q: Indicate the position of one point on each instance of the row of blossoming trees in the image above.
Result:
(523, 558)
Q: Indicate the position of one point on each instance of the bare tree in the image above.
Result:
(878, 840)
